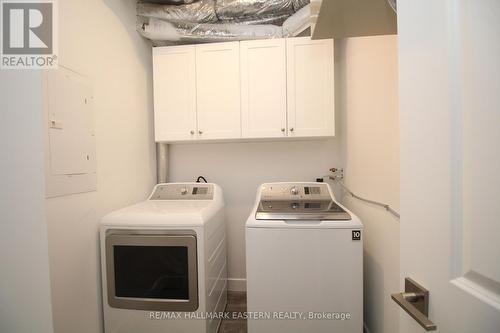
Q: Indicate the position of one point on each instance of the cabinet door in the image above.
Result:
(218, 90)
(263, 88)
(174, 79)
(311, 110)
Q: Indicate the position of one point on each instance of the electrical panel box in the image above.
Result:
(70, 164)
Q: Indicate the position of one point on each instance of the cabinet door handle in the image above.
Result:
(192, 132)
(291, 129)
(200, 132)
(283, 130)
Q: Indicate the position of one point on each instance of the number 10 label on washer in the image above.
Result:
(356, 235)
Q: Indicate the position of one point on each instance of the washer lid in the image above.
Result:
(312, 210)
(353, 223)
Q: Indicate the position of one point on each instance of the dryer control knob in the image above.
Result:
(294, 191)
(184, 191)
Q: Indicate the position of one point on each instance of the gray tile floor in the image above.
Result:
(236, 302)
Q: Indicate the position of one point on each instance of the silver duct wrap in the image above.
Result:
(171, 2)
(202, 11)
(298, 22)
(298, 4)
(204, 21)
(250, 20)
(160, 30)
(237, 9)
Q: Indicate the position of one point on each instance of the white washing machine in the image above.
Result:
(164, 262)
(304, 257)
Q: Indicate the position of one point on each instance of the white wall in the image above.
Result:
(239, 168)
(24, 271)
(367, 90)
(98, 39)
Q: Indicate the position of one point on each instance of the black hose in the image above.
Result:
(202, 178)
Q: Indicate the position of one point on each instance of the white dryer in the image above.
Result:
(304, 257)
(164, 262)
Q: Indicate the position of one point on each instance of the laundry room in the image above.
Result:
(234, 166)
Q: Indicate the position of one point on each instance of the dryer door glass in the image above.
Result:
(156, 271)
(151, 271)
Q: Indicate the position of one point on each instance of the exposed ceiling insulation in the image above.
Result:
(167, 22)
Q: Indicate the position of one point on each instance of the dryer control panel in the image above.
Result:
(183, 191)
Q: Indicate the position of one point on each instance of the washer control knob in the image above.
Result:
(294, 191)
(184, 191)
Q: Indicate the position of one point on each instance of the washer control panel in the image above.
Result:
(187, 191)
(298, 201)
(294, 191)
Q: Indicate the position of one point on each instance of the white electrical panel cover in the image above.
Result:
(70, 165)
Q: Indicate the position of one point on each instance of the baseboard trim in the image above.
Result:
(237, 284)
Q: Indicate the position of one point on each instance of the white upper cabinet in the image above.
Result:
(174, 75)
(263, 88)
(310, 87)
(218, 90)
(274, 88)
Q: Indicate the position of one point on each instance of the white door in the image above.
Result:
(218, 90)
(174, 79)
(311, 107)
(263, 88)
(449, 54)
